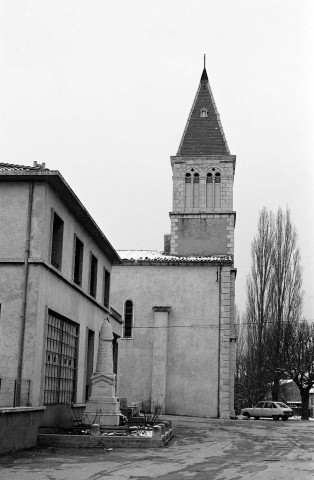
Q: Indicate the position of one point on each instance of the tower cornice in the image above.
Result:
(175, 159)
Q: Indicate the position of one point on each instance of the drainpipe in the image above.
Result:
(219, 335)
(24, 301)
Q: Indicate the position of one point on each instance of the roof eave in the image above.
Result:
(55, 180)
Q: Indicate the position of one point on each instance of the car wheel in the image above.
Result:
(257, 418)
(247, 415)
(284, 418)
(275, 417)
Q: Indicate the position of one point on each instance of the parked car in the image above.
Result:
(275, 410)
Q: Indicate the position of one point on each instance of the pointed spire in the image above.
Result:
(203, 134)
(204, 77)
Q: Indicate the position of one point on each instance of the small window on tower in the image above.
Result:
(217, 190)
(217, 178)
(209, 191)
(196, 190)
(204, 112)
(188, 190)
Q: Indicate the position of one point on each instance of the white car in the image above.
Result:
(275, 410)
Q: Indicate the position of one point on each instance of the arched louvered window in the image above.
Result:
(213, 189)
(188, 190)
(128, 319)
(217, 190)
(209, 191)
(196, 190)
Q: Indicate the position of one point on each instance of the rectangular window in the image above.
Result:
(78, 261)
(57, 241)
(196, 191)
(106, 287)
(89, 362)
(61, 360)
(93, 275)
(128, 319)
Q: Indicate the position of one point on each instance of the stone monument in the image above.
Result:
(103, 406)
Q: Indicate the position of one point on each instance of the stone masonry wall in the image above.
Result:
(202, 165)
(224, 384)
(220, 241)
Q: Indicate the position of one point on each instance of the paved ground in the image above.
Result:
(202, 449)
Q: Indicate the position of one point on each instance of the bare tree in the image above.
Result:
(259, 297)
(274, 302)
(242, 390)
(298, 360)
(285, 292)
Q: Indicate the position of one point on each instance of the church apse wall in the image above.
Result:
(190, 353)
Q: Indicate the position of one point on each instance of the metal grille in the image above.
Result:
(61, 360)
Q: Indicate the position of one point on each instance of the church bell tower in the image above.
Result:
(202, 217)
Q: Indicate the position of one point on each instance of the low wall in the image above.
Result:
(19, 427)
(63, 415)
(162, 434)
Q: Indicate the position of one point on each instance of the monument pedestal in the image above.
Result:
(103, 407)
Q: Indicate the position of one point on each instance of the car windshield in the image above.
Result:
(282, 405)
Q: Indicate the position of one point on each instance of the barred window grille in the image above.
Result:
(61, 360)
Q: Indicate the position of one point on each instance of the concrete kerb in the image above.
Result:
(161, 435)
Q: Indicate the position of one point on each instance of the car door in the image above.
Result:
(258, 410)
(267, 410)
(275, 409)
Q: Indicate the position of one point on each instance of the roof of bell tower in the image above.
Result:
(203, 134)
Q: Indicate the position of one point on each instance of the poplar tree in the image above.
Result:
(259, 307)
(274, 305)
(285, 293)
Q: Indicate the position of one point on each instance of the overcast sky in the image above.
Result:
(101, 91)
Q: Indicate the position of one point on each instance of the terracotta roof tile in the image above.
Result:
(161, 257)
(13, 167)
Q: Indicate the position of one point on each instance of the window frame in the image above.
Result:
(56, 242)
(192, 189)
(196, 190)
(106, 287)
(93, 273)
(130, 337)
(214, 186)
(59, 370)
(81, 260)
